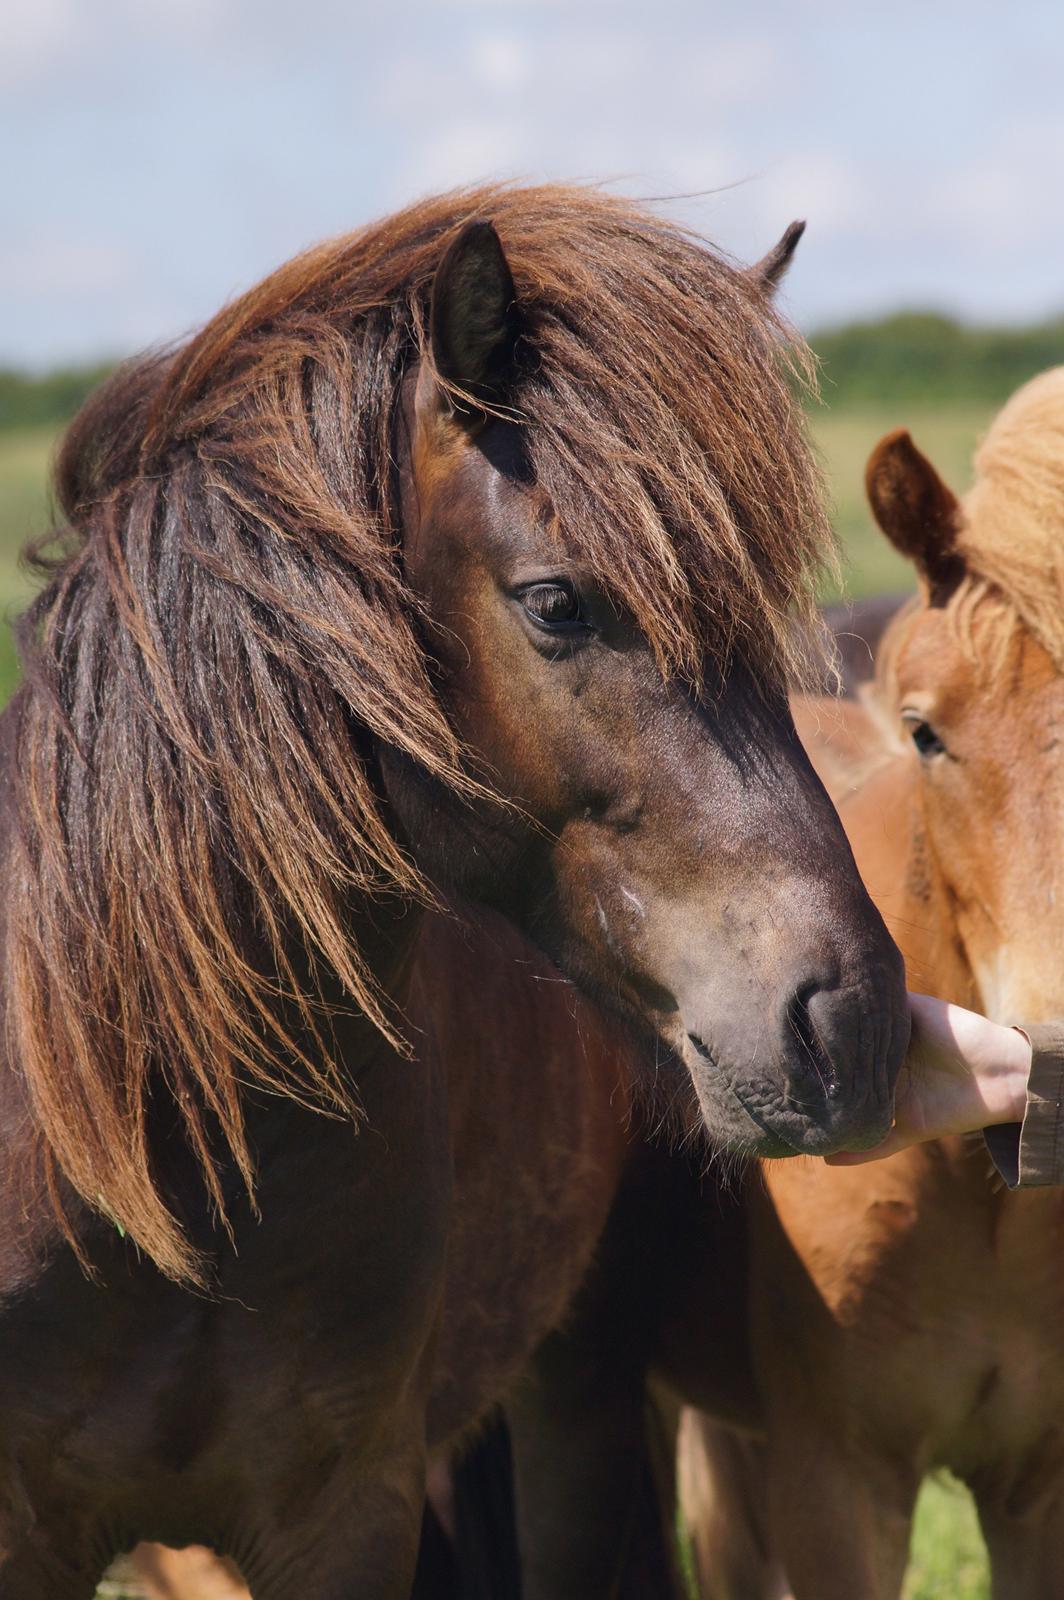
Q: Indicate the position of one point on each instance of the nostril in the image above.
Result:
(798, 1016)
(812, 1054)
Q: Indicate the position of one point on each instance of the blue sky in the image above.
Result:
(164, 154)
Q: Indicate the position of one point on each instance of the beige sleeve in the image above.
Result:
(1031, 1152)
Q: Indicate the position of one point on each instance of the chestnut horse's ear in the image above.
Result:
(473, 322)
(915, 509)
(767, 273)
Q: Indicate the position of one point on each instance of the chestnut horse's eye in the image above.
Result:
(923, 736)
(554, 606)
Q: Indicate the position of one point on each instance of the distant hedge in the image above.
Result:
(29, 401)
(910, 356)
(919, 355)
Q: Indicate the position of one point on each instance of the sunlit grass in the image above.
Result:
(25, 459)
(844, 441)
(948, 1558)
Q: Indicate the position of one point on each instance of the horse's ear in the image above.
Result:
(474, 323)
(915, 509)
(768, 273)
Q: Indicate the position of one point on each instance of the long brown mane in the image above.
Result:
(227, 630)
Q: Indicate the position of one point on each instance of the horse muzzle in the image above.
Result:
(812, 1075)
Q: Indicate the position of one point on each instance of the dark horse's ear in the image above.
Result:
(474, 323)
(767, 273)
(915, 509)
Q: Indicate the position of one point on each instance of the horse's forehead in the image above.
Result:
(934, 669)
(927, 651)
(438, 459)
(989, 651)
(931, 641)
(476, 485)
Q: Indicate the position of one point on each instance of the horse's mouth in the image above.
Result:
(801, 1133)
(776, 1147)
(771, 1144)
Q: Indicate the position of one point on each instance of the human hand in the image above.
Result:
(962, 1073)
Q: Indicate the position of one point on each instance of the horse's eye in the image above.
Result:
(555, 606)
(924, 737)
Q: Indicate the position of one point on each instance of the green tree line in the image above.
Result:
(923, 356)
(32, 400)
(910, 355)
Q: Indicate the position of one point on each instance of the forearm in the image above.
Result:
(966, 1074)
(1027, 1147)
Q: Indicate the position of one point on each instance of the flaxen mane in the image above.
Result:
(226, 632)
(1011, 530)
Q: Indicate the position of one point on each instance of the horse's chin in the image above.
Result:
(758, 1138)
(753, 1120)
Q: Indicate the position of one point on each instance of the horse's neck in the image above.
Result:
(304, 1163)
(387, 936)
(27, 1220)
(843, 739)
(28, 1224)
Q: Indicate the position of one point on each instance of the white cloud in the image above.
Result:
(38, 34)
(469, 149)
(179, 147)
(819, 185)
(57, 264)
(744, 70)
(500, 61)
(1016, 182)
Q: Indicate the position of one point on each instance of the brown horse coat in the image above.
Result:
(421, 572)
(910, 1314)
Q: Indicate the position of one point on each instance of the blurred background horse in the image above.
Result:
(909, 1315)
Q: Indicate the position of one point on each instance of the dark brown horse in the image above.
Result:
(424, 568)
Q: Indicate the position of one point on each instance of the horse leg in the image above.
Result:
(1026, 1552)
(594, 1498)
(841, 1525)
(31, 1571)
(723, 1491)
(360, 1543)
(587, 1499)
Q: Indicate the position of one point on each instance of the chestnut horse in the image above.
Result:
(462, 556)
(910, 1314)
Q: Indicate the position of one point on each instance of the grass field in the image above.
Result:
(948, 1562)
(844, 441)
(25, 457)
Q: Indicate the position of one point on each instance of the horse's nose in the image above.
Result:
(839, 1057)
(806, 1053)
(815, 1067)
